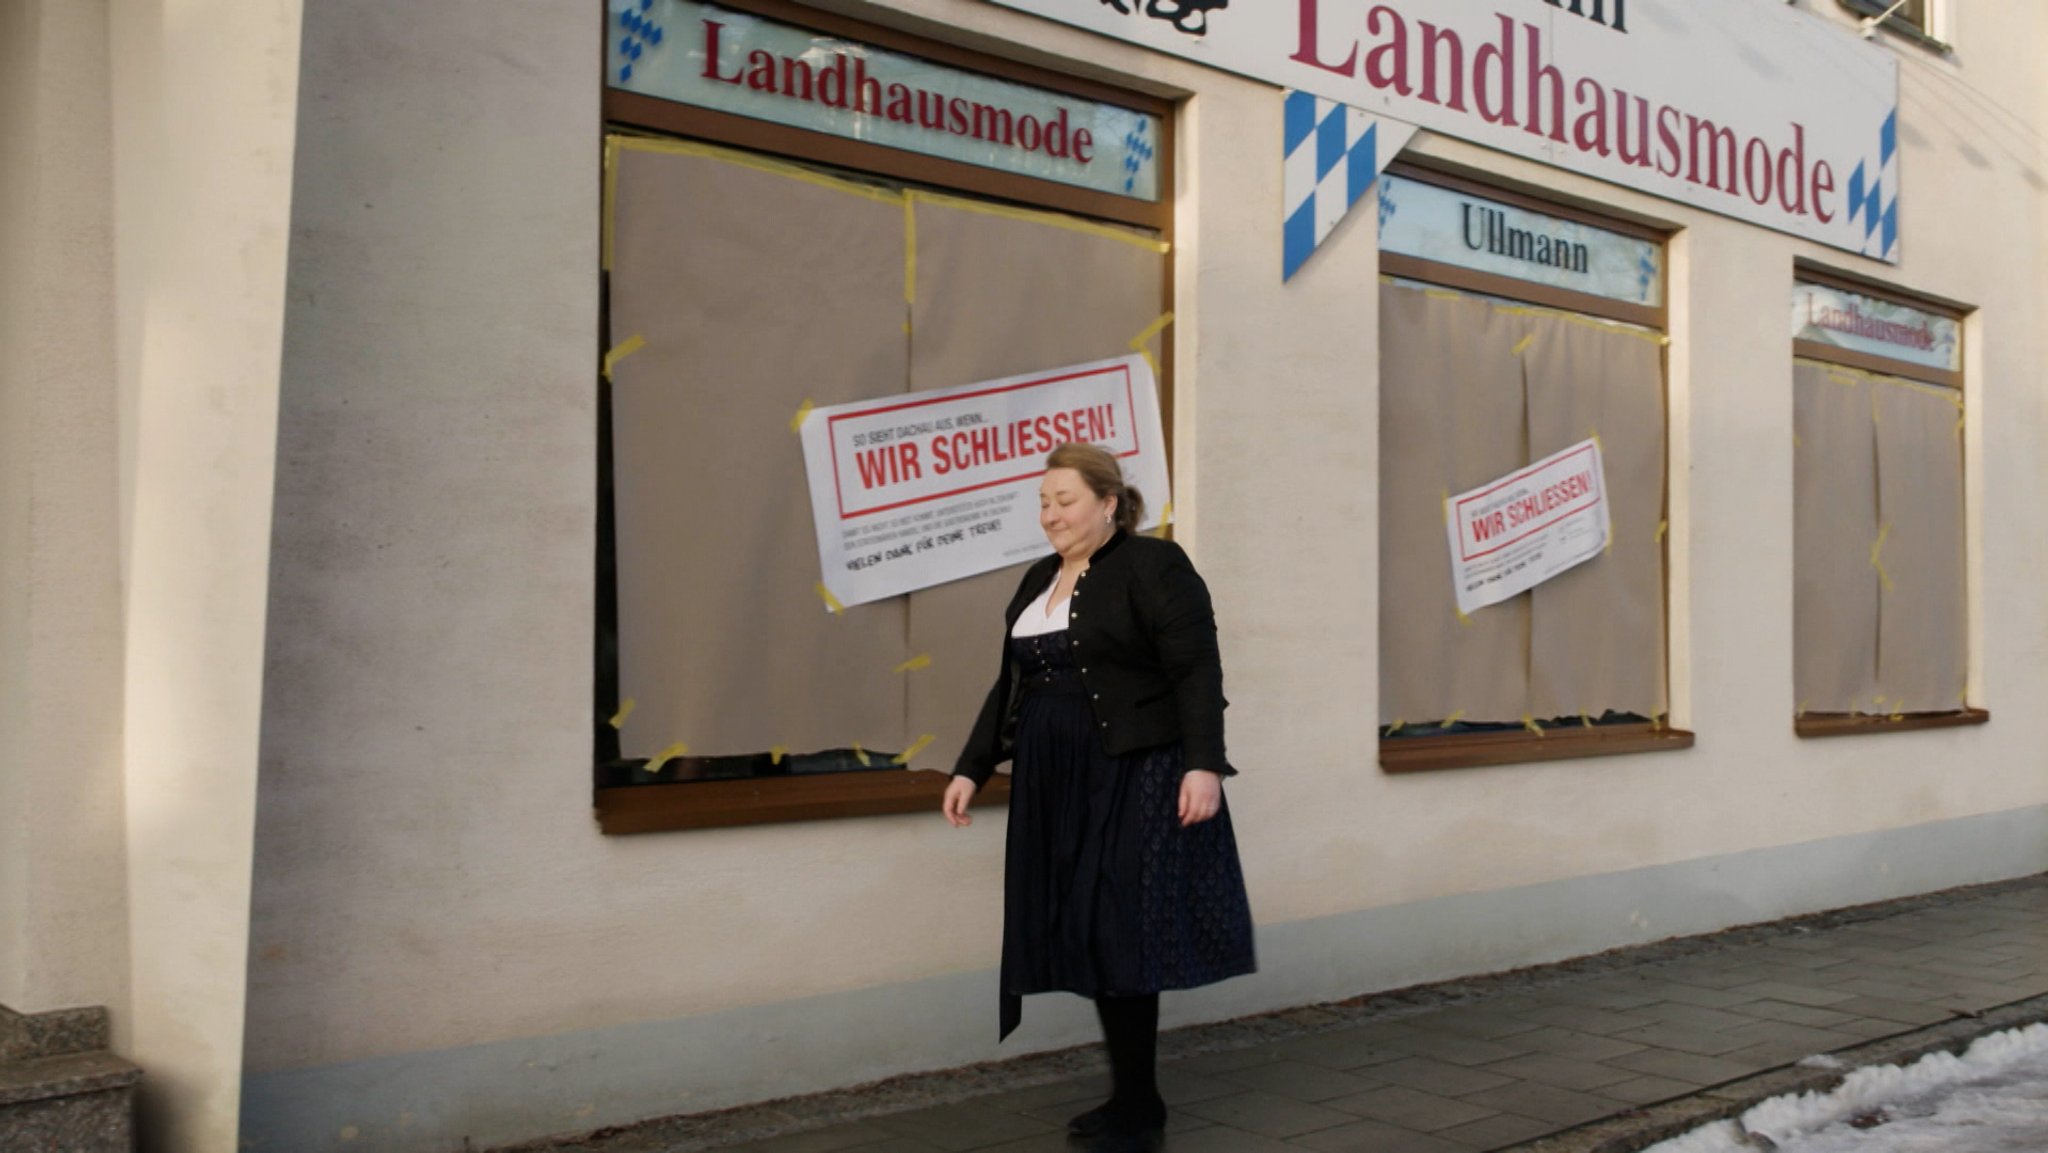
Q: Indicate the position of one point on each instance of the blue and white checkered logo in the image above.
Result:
(1874, 195)
(1333, 154)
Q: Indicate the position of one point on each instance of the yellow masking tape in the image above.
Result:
(1877, 547)
(666, 755)
(861, 755)
(1662, 526)
(909, 253)
(1575, 318)
(1151, 362)
(803, 413)
(776, 753)
(920, 661)
(1585, 721)
(1522, 345)
(1529, 723)
(1898, 716)
(758, 163)
(1151, 330)
(1088, 228)
(1453, 718)
(831, 602)
(625, 710)
(1394, 728)
(611, 198)
(624, 349)
(1165, 521)
(916, 747)
(1800, 711)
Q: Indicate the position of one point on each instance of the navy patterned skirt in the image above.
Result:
(1104, 894)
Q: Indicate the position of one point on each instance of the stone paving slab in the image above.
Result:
(1601, 1054)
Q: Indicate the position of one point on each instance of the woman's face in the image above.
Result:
(1075, 520)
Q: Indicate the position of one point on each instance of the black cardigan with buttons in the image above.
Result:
(1144, 638)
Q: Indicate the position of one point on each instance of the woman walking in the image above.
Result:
(1121, 877)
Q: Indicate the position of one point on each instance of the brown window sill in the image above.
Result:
(1859, 724)
(769, 800)
(1473, 750)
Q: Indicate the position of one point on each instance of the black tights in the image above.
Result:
(1130, 1028)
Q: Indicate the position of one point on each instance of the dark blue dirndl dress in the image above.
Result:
(1104, 894)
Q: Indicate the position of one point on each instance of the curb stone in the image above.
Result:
(1639, 1129)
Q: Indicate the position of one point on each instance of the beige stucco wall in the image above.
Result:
(63, 939)
(428, 874)
(203, 100)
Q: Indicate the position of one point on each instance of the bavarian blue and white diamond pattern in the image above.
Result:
(1333, 154)
(1874, 193)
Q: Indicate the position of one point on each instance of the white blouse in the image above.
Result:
(1037, 620)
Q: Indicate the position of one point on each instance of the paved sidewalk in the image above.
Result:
(1484, 1064)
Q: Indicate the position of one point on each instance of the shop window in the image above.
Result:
(1510, 331)
(753, 267)
(1880, 604)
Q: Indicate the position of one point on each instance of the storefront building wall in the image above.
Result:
(443, 946)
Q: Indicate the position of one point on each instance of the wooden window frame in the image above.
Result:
(656, 807)
(1925, 32)
(1569, 742)
(1811, 724)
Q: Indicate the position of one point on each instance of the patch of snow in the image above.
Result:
(1992, 1099)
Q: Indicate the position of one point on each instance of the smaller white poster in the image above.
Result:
(1509, 536)
(917, 489)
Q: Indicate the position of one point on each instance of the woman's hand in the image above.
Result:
(959, 791)
(1201, 795)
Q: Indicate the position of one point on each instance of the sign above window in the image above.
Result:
(1754, 110)
(1875, 326)
(738, 63)
(1458, 228)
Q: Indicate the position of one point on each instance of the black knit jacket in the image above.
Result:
(1144, 638)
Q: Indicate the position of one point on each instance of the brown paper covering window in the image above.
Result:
(1879, 594)
(758, 286)
(1460, 405)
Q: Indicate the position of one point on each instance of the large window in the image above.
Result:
(1880, 593)
(1510, 331)
(754, 269)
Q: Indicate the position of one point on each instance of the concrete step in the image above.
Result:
(60, 1090)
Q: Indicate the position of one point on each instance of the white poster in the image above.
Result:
(1748, 108)
(1509, 536)
(918, 489)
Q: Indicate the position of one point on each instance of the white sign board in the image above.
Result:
(1747, 108)
(1880, 327)
(1509, 536)
(739, 63)
(1458, 228)
(915, 490)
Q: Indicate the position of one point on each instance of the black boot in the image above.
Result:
(1134, 1117)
